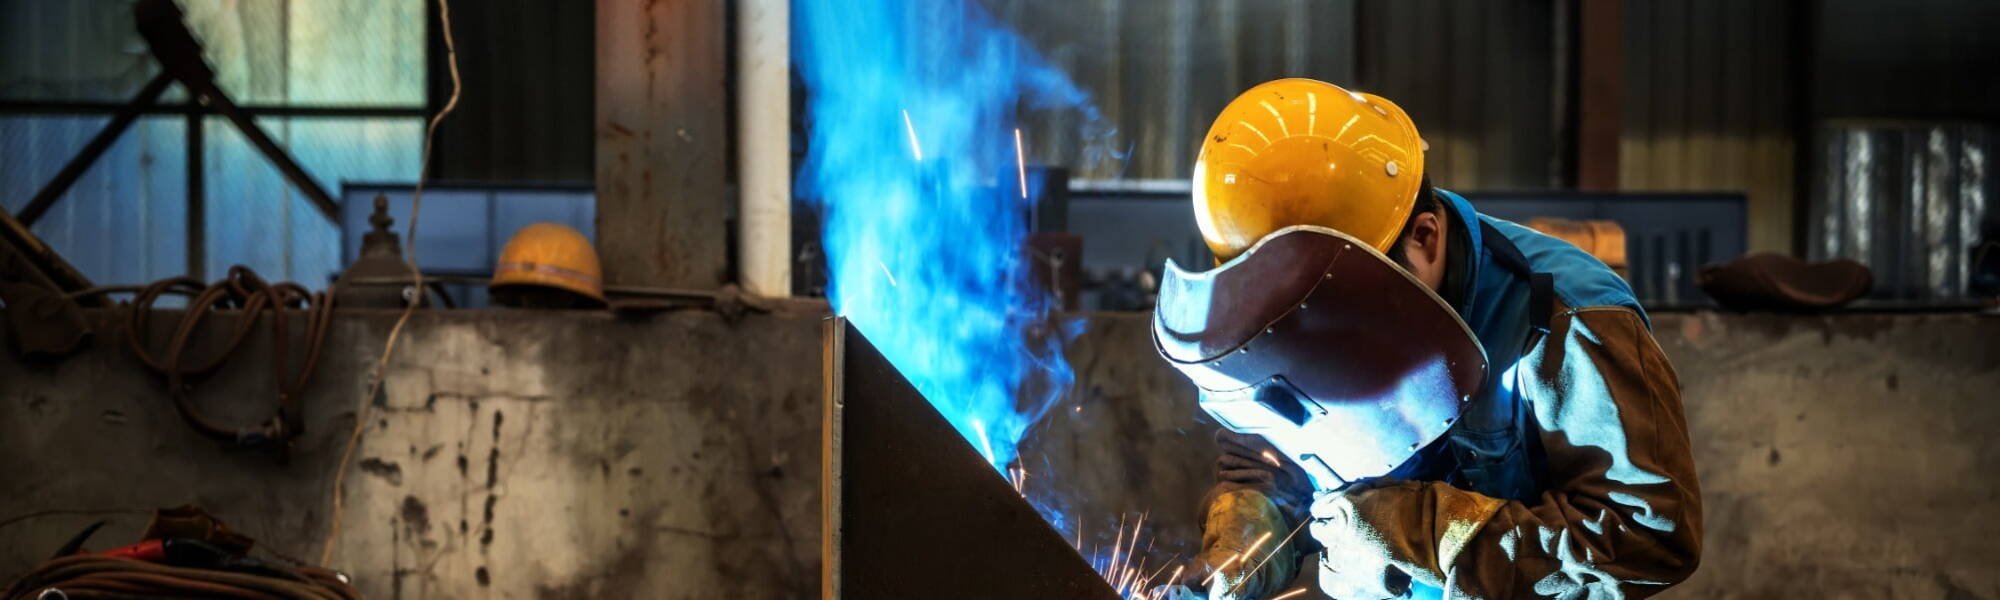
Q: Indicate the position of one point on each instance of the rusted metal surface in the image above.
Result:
(662, 143)
(1600, 90)
(43, 266)
(912, 510)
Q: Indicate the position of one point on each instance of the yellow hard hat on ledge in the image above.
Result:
(1306, 152)
(549, 256)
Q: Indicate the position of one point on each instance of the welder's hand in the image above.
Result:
(1356, 565)
(1248, 460)
(1242, 528)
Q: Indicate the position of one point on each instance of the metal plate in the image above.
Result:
(912, 510)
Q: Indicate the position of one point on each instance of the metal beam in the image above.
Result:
(121, 121)
(197, 198)
(293, 173)
(913, 511)
(663, 143)
(105, 108)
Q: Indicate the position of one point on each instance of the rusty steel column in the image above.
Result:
(910, 510)
(1600, 92)
(662, 143)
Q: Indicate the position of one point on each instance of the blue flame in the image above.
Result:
(912, 161)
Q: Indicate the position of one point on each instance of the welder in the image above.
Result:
(1445, 402)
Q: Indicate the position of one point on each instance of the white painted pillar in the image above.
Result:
(763, 151)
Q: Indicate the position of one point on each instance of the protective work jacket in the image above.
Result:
(1569, 475)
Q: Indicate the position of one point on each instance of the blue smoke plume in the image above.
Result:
(912, 108)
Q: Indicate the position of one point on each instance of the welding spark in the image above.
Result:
(1219, 568)
(915, 148)
(1268, 456)
(1018, 476)
(1289, 594)
(984, 444)
(1118, 569)
(1273, 552)
(1020, 163)
(886, 273)
(1260, 541)
(1156, 573)
(1117, 544)
(1177, 572)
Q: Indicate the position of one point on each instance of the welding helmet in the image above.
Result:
(1313, 339)
(549, 256)
(1305, 152)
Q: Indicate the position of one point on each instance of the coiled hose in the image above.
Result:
(94, 577)
(243, 290)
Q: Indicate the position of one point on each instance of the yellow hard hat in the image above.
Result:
(550, 255)
(1306, 152)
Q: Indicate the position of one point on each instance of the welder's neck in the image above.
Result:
(1457, 257)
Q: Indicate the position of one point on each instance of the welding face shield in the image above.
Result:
(1314, 340)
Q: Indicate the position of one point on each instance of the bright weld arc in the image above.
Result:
(1020, 163)
(984, 444)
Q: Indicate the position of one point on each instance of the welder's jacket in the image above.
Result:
(1569, 475)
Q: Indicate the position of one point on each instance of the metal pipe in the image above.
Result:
(763, 149)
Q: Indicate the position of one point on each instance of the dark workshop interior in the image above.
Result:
(1119, 299)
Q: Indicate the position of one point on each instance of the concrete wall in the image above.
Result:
(676, 457)
(513, 455)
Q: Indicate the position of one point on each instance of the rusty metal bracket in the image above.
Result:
(910, 510)
(48, 268)
(45, 324)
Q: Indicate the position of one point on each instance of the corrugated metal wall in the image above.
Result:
(1709, 105)
(530, 89)
(1905, 198)
(1477, 76)
(1160, 70)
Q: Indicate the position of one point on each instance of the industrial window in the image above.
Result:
(340, 86)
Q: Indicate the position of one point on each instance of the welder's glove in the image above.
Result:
(1363, 560)
(1249, 461)
(1233, 523)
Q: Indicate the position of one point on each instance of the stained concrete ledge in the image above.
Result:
(512, 454)
(518, 454)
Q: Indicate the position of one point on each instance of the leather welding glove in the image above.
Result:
(1256, 491)
(1232, 526)
(1358, 563)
